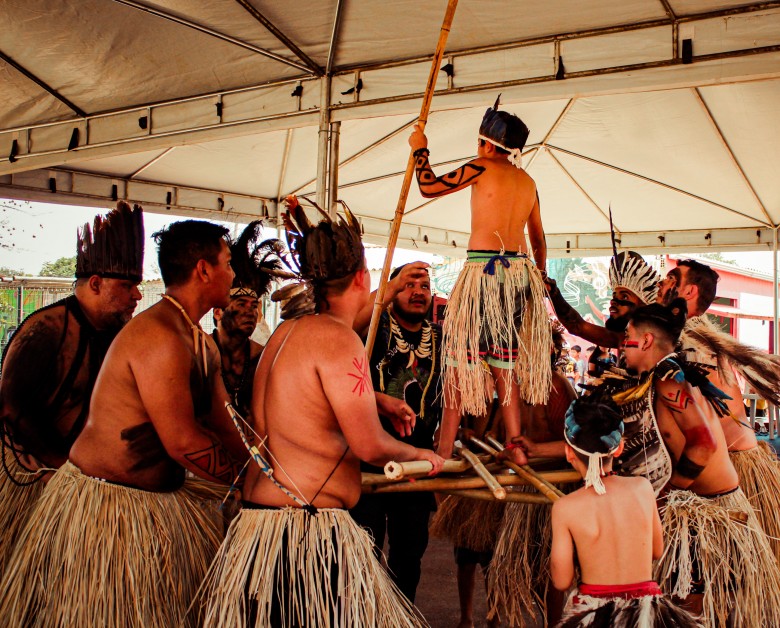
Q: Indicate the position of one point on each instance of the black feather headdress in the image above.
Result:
(504, 130)
(114, 246)
(256, 265)
(324, 251)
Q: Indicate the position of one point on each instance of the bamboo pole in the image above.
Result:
(407, 182)
(521, 498)
(399, 470)
(499, 492)
(527, 468)
(372, 482)
(552, 493)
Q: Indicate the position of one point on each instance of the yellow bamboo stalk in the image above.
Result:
(499, 492)
(527, 468)
(518, 498)
(552, 493)
(375, 483)
(407, 182)
(399, 470)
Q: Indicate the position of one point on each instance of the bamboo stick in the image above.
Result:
(552, 493)
(407, 182)
(499, 492)
(521, 498)
(372, 483)
(399, 470)
(527, 468)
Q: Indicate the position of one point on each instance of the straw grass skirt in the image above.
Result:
(100, 554)
(285, 567)
(519, 576)
(646, 611)
(16, 503)
(470, 523)
(740, 576)
(505, 310)
(759, 477)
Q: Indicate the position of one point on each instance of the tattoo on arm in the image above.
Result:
(688, 468)
(431, 185)
(362, 379)
(216, 462)
(677, 401)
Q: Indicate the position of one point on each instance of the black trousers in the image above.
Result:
(404, 519)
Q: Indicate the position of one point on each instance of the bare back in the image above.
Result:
(120, 443)
(615, 535)
(503, 198)
(291, 408)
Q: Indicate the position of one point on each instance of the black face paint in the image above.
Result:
(622, 302)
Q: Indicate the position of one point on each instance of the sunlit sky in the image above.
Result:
(34, 233)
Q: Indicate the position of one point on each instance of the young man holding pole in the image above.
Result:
(496, 332)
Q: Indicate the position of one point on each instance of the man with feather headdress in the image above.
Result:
(51, 364)
(755, 462)
(120, 536)
(255, 266)
(294, 556)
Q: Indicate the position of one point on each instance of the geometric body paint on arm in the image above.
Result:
(432, 185)
(678, 401)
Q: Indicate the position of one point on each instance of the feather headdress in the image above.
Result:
(256, 265)
(324, 251)
(504, 130)
(711, 346)
(629, 270)
(114, 246)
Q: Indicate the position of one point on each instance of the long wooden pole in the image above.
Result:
(516, 498)
(399, 210)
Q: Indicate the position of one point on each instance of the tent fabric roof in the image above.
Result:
(213, 107)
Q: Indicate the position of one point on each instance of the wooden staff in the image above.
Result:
(517, 498)
(499, 492)
(399, 470)
(372, 483)
(399, 210)
(492, 440)
(527, 472)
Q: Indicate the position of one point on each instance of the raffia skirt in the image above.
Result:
(100, 554)
(706, 540)
(623, 606)
(286, 567)
(520, 572)
(759, 477)
(16, 502)
(501, 316)
(469, 523)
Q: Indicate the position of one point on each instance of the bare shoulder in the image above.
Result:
(41, 330)
(567, 504)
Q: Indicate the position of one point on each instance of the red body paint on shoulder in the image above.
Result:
(363, 383)
(700, 436)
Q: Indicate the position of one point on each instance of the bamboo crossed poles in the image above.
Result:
(407, 182)
(474, 486)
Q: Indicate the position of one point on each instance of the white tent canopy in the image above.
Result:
(665, 110)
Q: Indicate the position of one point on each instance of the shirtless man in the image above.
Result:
(51, 364)
(611, 528)
(294, 555)
(702, 492)
(157, 410)
(496, 314)
(756, 464)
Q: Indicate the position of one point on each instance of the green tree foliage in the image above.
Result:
(63, 267)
